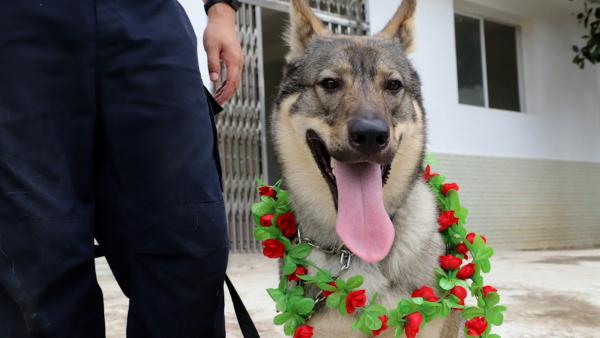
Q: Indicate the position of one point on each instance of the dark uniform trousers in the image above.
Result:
(106, 132)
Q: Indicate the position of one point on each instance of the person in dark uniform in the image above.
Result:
(107, 132)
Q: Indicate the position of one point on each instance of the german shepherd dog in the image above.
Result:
(349, 131)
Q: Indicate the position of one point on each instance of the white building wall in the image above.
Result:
(522, 175)
(562, 118)
(525, 181)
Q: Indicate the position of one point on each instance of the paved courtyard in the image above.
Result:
(548, 294)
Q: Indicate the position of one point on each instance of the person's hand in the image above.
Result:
(221, 44)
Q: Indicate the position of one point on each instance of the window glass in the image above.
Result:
(468, 59)
(502, 67)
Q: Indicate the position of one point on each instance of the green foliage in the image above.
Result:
(294, 308)
(368, 320)
(589, 18)
(292, 305)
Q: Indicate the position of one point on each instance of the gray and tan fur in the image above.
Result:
(364, 67)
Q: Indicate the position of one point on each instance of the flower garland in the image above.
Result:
(276, 228)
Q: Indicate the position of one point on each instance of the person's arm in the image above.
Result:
(221, 44)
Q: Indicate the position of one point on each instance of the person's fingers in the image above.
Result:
(231, 83)
(214, 62)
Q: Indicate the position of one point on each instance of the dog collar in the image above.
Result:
(276, 228)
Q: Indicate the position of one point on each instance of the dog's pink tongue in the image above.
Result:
(362, 222)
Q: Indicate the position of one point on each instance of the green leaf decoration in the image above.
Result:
(304, 306)
(399, 331)
(342, 306)
(326, 287)
(300, 251)
(296, 291)
(453, 201)
(265, 207)
(290, 326)
(295, 309)
(354, 282)
(377, 310)
(430, 160)
(341, 285)
(275, 294)
(307, 278)
(462, 215)
(288, 266)
(430, 310)
(281, 304)
(446, 284)
(324, 277)
(437, 181)
(281, 318)
(492, 299)
(485, 265)
(260, 234)
(334, 299)
(494, 317)
(440, 273)
(371, 321)
(472, 312)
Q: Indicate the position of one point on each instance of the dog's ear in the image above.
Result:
(401, 26)
(304, 25)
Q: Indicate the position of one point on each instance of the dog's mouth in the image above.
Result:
(324, 162)
(357, 189)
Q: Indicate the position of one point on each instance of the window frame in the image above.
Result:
(481, 16)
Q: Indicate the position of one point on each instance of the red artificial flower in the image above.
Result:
(300, 271)
(273, 248)
(266, 220)
(383, 327)
(327, 293)
(450, 262)
(463, 250)
(287, 224)
(471, 238)
(487, 289)
(459, 292)
(476, 326)
(447, 220)
(466, 271)
(304, 331)
(355, 300)
(449, 186)
(413, 323)
(427, 174)
(267, 191)
(426, 293)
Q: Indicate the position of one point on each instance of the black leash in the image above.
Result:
(243, 317)
(244, 320)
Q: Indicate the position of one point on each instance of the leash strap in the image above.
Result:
(243, 317)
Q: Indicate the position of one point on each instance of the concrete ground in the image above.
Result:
(548, 294)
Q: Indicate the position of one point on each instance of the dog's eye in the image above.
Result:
(393, 85)
(330, 84)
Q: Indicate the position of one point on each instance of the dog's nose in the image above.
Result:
(369, 135)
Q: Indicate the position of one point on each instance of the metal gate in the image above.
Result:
(242, 125)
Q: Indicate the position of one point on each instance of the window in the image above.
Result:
(487, 63)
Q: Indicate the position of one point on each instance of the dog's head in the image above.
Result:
(353, 103)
